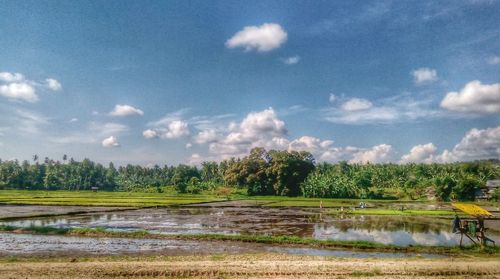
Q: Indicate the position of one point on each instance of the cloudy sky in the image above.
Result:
(181, 82)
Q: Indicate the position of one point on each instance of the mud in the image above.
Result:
(70, 246)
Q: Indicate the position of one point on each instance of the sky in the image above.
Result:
(170, 82)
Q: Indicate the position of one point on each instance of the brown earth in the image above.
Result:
(251, 266)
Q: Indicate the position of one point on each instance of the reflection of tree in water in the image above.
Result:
(385, 223)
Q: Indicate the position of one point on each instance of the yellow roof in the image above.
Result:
(472, 209)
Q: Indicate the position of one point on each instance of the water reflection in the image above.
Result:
(399, 230)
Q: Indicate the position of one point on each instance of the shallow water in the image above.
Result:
(51, 245)
(305, 222)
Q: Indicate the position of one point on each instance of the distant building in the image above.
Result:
(491, 186)
(94, 189)
(487, 192)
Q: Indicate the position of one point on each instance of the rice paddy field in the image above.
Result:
(59, 234)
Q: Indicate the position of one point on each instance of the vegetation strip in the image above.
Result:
(277, 240)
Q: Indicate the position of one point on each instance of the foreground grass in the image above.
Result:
(275, 240)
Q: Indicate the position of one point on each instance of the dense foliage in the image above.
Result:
(287, 173)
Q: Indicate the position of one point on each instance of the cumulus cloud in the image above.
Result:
(424, 75)
(422, 153)
(11, 77)
(53, 84)
(206, 136)
(110, 142)
(382, 153)
(173, 130)
(262, 38)
(257, 129)
(19, 91)
(292, 60)
(125, 110)
(356, 104)
(476, 144)
(16, 87)
(475, 97)
(150, 134)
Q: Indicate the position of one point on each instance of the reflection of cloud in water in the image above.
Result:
(399, 237)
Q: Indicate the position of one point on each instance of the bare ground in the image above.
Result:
(252, 266)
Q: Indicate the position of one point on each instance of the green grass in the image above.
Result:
(137, 199)
(265, 239)
(88, 198)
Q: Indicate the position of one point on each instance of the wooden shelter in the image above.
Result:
(472, 229)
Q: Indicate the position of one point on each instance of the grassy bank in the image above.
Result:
(170, 198)
(275, 240)
(87, 198)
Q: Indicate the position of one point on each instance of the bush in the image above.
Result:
(466, 188)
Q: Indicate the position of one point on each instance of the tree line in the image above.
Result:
(262, 172)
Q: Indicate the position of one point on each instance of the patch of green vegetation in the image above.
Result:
(275, 240)
(87, 198)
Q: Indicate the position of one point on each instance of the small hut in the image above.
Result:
(94, 189)
(491, 186)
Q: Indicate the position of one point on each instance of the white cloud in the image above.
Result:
(150, 134)
(495, 60)
(125, 110)
(476, 144)
(382, 153)
(206, 136)
(475, 97)
(424, 75)
(110, 142)
(262, 38)
(19, 91)
(173, 130)
(356, 104)
(257, 129)
(292, 60)
(17, 88)
(403, 107)
(53, 84)
(422, 153)
(72, 120)
(11, 77)
(310, 144)
(189, 145)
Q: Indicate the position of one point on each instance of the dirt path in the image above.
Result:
(253, 266)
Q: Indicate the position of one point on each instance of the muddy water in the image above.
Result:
(46, 245)
(398, 230)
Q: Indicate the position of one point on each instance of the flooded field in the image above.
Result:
(305, 222)
(51, 245)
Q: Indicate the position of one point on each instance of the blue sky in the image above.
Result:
(168, 82)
